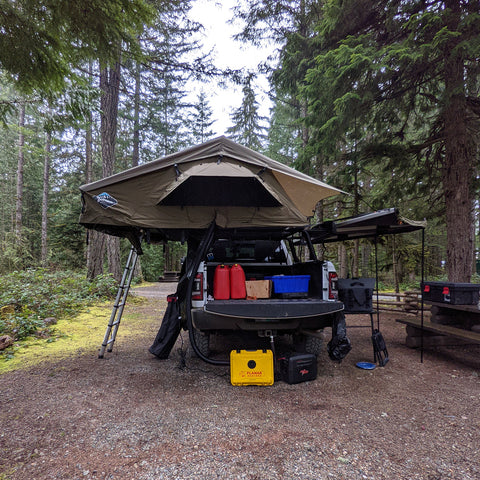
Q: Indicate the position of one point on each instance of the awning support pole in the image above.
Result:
(119, 304)
(421, 293)
(376, 281)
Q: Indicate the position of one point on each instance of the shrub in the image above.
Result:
(37, 294)
(20, 325)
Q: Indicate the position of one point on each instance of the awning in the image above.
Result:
(374, 224)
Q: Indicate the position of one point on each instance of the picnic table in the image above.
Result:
(448, 325)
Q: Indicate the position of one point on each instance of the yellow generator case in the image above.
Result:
(251, 367)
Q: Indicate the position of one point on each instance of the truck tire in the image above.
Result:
(202, 341)
(313, 345)
(308, 344)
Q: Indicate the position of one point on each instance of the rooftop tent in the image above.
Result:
(217, 181)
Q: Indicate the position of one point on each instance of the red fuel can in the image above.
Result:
(237, 282)
(221, 283)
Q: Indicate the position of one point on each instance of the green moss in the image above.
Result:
(81, 334)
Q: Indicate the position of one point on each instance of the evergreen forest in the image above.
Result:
(377, 98)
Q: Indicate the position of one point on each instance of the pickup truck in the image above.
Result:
(302, 318)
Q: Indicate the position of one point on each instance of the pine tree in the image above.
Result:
(393, 75)
(284, 138)
(41, 42)
(247, 128)
(289, 24)
(155, 106)
(45, 195)
(20, 184)
(200, 120)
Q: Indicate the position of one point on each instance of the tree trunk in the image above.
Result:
(167, 257)
(95, 240)
(356, 211)
(136, 141)
(89, 143)
(46, 186)
(20, 166)
(366, 252)
(95, 253)
(472, 73)
(355, 258)
(342, 261)
(109, 87)
(136, 119)
(458, 167)
(113, 257)
(396, 279)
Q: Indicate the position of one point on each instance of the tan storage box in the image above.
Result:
(258, 289)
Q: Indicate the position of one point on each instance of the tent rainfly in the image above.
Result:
(218, 181)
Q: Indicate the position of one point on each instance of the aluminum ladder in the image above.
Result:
(119, 304)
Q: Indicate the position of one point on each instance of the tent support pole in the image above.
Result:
(120, 300)
(421, 293)
(376, 281)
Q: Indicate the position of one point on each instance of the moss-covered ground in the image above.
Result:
(81, 334)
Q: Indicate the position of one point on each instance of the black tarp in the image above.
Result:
(169, 330)
(339, 346)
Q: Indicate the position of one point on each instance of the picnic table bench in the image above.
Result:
(449, 324)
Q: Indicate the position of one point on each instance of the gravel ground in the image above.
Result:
(132, 416)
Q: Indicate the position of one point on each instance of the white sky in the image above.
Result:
(214, 15)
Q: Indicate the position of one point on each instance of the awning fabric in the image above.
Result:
(381, 222)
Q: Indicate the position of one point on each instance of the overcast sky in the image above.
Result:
(215, 15)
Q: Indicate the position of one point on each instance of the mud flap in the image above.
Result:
(339, 346)
(169, 330)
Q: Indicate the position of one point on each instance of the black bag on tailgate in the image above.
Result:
(339, 346)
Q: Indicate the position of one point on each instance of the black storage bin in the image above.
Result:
(451, 293)
(298, 367)
(356, 294)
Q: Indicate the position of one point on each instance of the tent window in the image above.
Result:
(221, 192)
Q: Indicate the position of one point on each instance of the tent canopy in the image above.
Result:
(218, 181)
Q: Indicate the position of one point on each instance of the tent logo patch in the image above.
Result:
(105, 200)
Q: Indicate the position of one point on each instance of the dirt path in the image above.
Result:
(132, 416)
(157, 290)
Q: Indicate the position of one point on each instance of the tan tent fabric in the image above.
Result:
(218, 180)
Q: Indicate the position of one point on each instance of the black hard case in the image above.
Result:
(451, 293)
(298, 367)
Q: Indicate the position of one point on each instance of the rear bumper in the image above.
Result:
(278, 314)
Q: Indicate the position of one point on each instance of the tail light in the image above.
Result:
(197, 291)
(332, 286)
